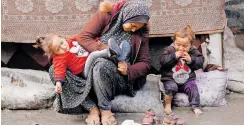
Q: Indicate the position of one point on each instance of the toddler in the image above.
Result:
(68, 54)
(178, 63)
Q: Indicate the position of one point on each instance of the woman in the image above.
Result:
(123, 21)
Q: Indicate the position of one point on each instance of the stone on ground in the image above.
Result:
(211, 87)
(26, 89)
(233, 61)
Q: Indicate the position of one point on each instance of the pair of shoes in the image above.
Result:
(119, 51)
(172, 119)
(150, 118)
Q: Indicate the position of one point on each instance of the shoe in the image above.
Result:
(172, 119)
(114, 48)
(150, 118)
(125, 50)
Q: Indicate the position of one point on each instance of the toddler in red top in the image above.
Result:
(68, 54)
(74, 59)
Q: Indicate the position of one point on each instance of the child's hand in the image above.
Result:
(58, 88)
(178, 54)
(186, 57)
(122, 67)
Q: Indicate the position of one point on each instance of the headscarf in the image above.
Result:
(132, 11)
(138, 19)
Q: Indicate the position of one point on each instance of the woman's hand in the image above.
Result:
(122, 67)
(58, 88)
(186, 57)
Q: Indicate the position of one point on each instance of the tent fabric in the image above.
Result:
(25, 20)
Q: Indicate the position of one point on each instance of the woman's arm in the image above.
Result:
(92, 30)
(143, 63)
(96, 25)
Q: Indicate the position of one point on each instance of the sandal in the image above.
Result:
(93, 119)
(172, 119)
(150, 118)
(108, 118)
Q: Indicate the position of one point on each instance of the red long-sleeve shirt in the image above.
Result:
(69, 61)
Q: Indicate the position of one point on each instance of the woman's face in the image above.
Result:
(132, 26)
(59, 45)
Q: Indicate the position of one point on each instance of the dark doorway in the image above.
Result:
(156, 47)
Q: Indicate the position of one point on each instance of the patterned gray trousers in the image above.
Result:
(108, 82)
(103, 78)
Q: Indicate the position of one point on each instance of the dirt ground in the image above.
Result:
(231, 114)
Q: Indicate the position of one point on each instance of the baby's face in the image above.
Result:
(182, 44)
(59, 45)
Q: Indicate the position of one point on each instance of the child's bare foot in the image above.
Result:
(108, 117)
(167, 104)
(197, 111)
(93, 117)
(167, 109)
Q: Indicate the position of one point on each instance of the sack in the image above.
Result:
(26, 89)
(148, 97)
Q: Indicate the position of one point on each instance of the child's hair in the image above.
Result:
(44, 43)
(185, 32)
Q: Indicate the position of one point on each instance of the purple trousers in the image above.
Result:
(190, 88)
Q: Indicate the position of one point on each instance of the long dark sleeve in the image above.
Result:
(168, 59)
(197, 59)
